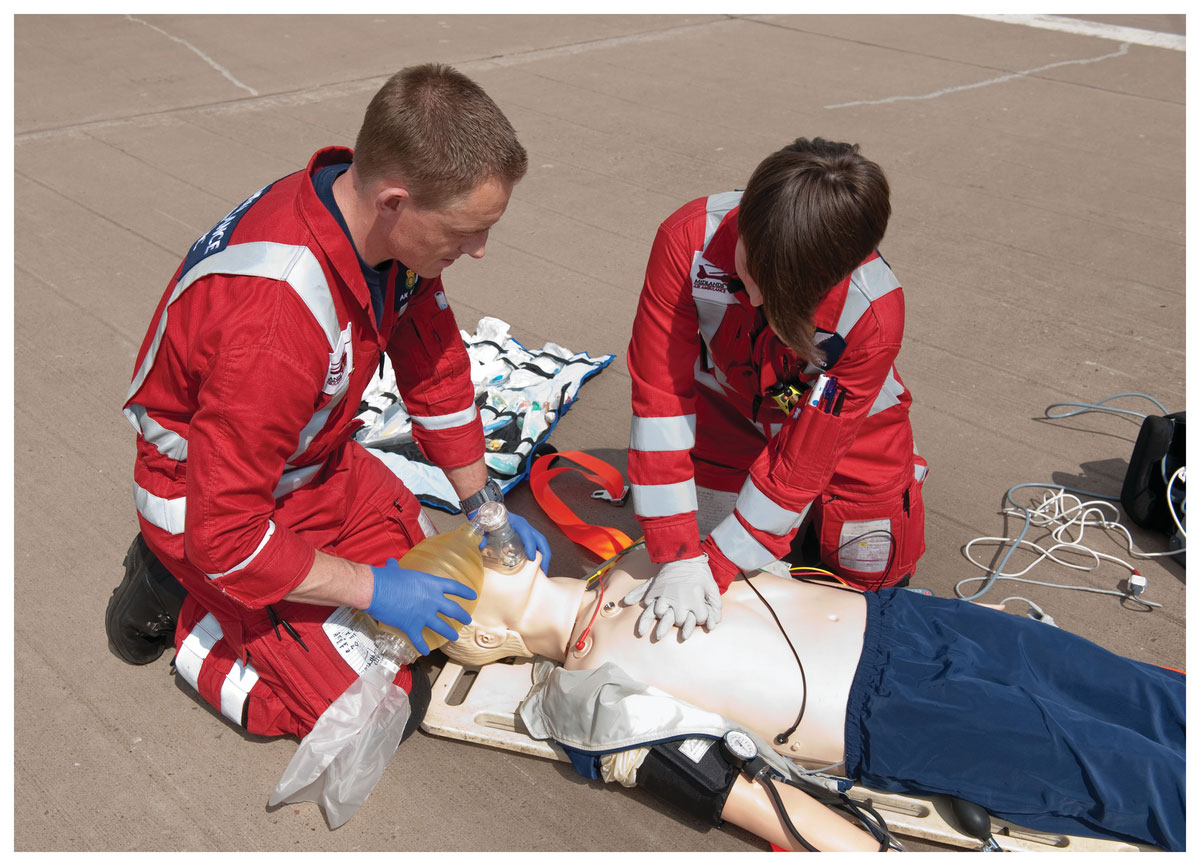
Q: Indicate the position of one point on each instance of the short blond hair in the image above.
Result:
(436, 130)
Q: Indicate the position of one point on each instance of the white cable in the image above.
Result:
(1051, 513)
(1060, 510)
(1035, 610)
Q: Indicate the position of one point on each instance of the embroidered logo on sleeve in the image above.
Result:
(709, 282)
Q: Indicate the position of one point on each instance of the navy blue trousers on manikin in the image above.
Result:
(1039, 726)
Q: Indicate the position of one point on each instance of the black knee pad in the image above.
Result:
(418, 700)
(694, 774)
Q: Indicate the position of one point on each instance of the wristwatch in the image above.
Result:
(490, 492)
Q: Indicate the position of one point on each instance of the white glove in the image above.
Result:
(683, 594)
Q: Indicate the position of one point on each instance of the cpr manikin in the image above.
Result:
(792, 691)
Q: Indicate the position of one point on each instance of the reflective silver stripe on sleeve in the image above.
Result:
(717, 206)
(168, 442)
(742, 548)
(445, 422)
(889, 394)
(249, 559)
(664, 500)
(294, 479)
(195, 649)
(235, 689)
(868, 283)
(763, 513)
(920, 471)
(190, 659)
(295, 265)
(672, 433)
(317, 422)
(167, 514)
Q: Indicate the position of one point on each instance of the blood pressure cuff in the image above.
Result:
(695, 774)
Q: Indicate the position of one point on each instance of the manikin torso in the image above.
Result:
(743, 669)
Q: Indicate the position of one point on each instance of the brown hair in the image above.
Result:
(437, 131)
(810, 214)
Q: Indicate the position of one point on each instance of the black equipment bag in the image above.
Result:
(1160, 450)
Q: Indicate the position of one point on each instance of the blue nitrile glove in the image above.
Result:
(683, 594)
(411, 601)
(533, 540)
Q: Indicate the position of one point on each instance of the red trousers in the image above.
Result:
(277, 675)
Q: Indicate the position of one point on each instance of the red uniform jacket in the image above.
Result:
(698, 344)
(253, 369)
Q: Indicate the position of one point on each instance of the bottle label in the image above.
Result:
(356, 647)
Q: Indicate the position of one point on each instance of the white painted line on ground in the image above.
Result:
(1124, 49)
(197, 52)
(1115, 32)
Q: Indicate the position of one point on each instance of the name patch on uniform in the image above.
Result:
(341, 363)
(217, 238)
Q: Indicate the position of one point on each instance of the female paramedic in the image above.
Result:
(765, 396)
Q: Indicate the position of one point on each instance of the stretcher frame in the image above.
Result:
(478, 704)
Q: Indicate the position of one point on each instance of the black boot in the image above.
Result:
(142, 612)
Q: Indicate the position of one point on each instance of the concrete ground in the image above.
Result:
(1038, 229)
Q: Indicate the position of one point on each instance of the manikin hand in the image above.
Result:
(411, 601)
(683, 594)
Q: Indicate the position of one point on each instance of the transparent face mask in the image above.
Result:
(502, 550)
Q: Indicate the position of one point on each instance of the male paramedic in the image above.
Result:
(249, 487)
(765, 396)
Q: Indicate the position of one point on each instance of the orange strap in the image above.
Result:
(604, 541)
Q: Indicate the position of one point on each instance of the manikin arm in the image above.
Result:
(750, 807)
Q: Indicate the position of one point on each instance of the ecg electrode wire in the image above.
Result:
(782, 738)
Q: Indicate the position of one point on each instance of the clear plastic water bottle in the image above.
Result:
(502, 550)
(455, 555)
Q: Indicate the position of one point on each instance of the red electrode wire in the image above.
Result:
(599, 601)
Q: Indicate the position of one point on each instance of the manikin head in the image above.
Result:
(505, 602)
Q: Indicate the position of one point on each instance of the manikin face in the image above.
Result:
(428, 240)
(739, 264)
